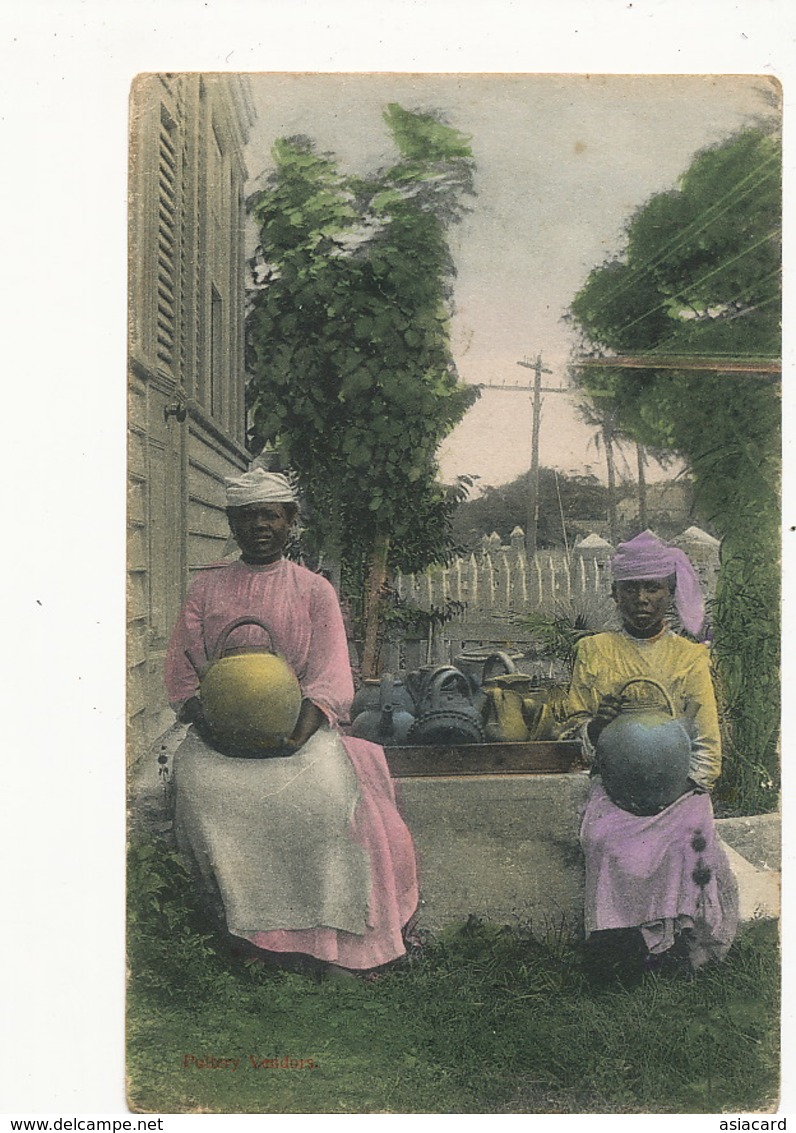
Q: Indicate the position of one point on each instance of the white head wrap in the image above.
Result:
(258, 487)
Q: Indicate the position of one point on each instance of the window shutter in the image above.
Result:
(167, 245)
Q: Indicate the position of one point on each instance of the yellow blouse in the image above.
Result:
(605, 661)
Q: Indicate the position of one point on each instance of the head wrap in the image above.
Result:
(647, 556)
(258, 487)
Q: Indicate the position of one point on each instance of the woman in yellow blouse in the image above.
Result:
(660, 879)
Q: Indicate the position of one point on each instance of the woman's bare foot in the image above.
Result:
(340, 975)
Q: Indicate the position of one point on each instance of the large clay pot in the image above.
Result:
(644, 755)
(480, 664)
(446, 716)
(500, 664)
(250, 700)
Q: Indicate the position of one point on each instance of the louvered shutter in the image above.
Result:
(167, 246)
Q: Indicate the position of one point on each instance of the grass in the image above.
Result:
(485, 1020)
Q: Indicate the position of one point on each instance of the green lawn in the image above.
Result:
(485, 1020)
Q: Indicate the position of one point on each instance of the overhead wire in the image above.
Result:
(702, 221)
(659, 347)
(697, 283)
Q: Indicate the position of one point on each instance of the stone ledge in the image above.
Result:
(758, 838)
(502, 847)
(506, 848)
(759, 890)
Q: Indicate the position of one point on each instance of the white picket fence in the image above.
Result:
(502, 580)
(498, 585)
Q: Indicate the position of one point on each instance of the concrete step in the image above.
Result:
(754, 848)
(757, 837)
(759, 890)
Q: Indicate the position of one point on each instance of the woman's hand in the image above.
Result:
(607, 710)
(282, 750)
(310, 719)
(192, 712)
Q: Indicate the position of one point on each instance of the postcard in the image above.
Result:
(458, 396)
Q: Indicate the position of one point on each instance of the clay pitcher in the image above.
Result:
(369, 696)
(538, 716)
(503, 710)
(388, 722)
(503, 717)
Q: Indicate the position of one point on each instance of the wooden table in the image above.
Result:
(539, 757)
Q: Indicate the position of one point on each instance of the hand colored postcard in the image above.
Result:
(464, 391)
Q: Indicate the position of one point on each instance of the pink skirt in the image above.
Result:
(662, 874)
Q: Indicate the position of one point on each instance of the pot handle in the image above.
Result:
(436, 682)
(492, 662)
(655, 684)
(227, 630)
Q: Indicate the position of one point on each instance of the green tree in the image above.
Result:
(353, 380)
(701, 277)
(582, 499)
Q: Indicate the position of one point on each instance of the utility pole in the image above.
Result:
(533, 479)
(537, 389)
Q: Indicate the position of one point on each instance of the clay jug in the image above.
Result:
(387, 722)
(644, 755)
(369, 696)
(503, 717)
(366, 698)
(503, 709)
(538, 716)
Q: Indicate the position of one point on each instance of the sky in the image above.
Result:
(562, 163)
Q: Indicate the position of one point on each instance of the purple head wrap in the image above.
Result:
(646, 556)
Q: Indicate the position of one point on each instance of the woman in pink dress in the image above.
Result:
(303, 852)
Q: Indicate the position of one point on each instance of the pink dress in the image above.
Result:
(309, 853)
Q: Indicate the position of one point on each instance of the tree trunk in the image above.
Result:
(642, 488)
(377, 576)
(608, 441)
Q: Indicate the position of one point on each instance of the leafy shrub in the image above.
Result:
(174, 950)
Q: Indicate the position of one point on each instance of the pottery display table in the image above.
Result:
(540, 757)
